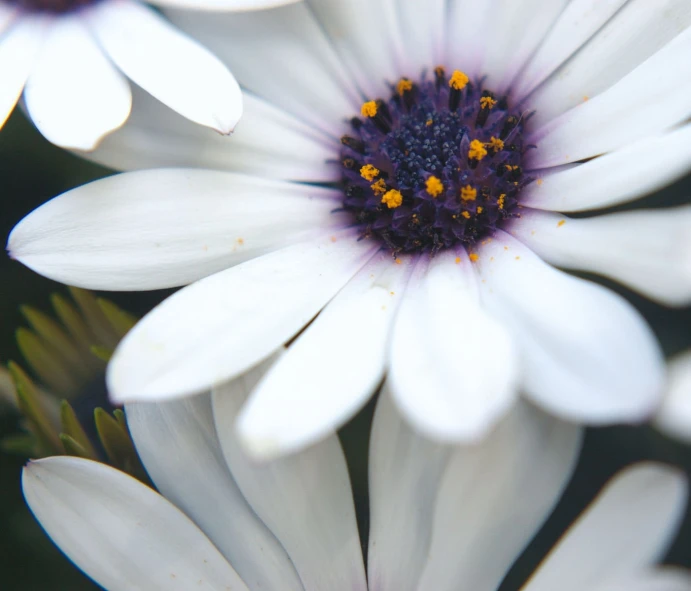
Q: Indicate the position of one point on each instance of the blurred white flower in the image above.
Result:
(425, 253)
(674, 416)
(72, 58)
(441, 517)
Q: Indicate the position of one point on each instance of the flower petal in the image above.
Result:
(674, 416)
(468, 24)
(367, 36)
(305, 499)
(653, 97)
(308, 80)
(405, 470)
(224, 4)
(453, 368)
(178, 444)
(74, 95)
(219, 327)
(19, 49)
(331, 370)
(580, 20)
(586, 353)
(423, 26)
(630, 37)
(659, 579)
(646, 250)
(168, 64)
(267, 142)
(163, 228)
(623, 175)
(495, 496)
(121, 533)
(628, 526)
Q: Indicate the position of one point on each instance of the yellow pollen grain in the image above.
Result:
(392, 199)
(479, 210)
(369, 109)
(458, 80)
(473, 257)
(496, 144)
(458, 260)
(398, 261)
(468, 193)
(500, 201)
(487, 102)
(379, 187)
(477, 150)
(434, 186)
(466, 215)
(369, 172)
(539, 182)
(429, 122)
(404, 85)
(560, 223)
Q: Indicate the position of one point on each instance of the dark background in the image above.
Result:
(32, 171)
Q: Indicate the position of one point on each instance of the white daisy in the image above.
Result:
(441, 518)
(674, 415)
(71, 59)
(426, 250)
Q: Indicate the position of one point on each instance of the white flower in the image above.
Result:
(441, 518)
(71, 57)
(674, 415)
(459, 334)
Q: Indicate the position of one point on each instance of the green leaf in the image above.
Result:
(116, 440)
(23, 444)
(72, 447)
(72, 428)
(120, 320)
(103, 353)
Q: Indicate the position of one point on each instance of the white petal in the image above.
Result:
(468, 24)
(495, 496)
(423, 27)
(674, 417)
(305, 499)
(178, 445)
(308, 80)
(331, 370)
(628, 526)
(659, 579)
(453, 368)
(8, 15)
(624, 175)
(586, 354)
(19, 48)
(367, 37)
(579, 21)
(121, 533)
(162, 228)
(224, 4)
(516, 31)
(635, 33)
(267, 142)
(652, 98)
(405, 470)
(646, 250)
(171, 66)
(217, 328)
(74, 95)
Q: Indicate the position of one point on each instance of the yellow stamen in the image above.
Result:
(429, 122)
(479, 210)
(560, 223)
(379, 187)
(434, 186)
(403, 86)
(500, 201)
(458, 260)
(466, 214)
(392, 199)
(468, 193)
(477, 150)
(487, 102)
(473, 257)
(369, 172)
(369, 109)
(496, 144)
(458, 80)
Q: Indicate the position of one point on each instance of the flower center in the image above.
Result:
(437, 165)
(52, 6)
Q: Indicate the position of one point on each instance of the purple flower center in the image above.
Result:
(437, 165)
(50, 6)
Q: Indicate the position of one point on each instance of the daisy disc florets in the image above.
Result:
(436, 165)
(50, 6)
